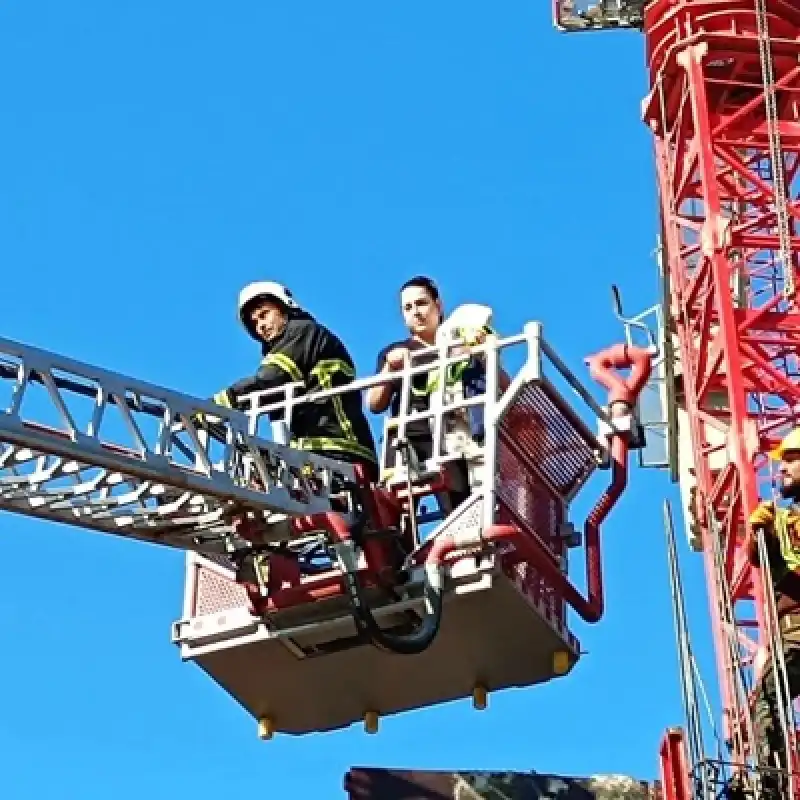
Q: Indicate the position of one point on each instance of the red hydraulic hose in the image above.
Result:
(536, 553)
(531, 547)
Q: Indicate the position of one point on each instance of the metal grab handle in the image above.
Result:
(631, 322)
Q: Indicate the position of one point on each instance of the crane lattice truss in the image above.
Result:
(723, 107)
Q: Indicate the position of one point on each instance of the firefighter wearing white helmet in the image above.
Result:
(297, 349)
(263, 290)
(781, 528)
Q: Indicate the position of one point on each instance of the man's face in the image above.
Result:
(421, 312)
(268, 319)
(790, 474)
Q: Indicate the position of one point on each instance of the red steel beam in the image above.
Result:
(675, 768)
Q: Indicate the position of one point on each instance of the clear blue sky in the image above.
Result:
(154, 157)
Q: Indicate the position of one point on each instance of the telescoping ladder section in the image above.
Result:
(89, 447)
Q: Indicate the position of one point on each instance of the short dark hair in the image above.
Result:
(422, 282)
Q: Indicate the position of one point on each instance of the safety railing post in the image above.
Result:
(491, 417)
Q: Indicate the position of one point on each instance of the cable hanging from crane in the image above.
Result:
(775, 149)
(739, 714)
(685, 654)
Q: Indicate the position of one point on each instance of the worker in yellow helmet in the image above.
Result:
(781, 527)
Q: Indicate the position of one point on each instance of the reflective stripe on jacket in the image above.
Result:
(308, 353)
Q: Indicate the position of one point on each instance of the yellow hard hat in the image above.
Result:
(789, 442)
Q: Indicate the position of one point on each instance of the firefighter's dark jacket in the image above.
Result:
(308, 352)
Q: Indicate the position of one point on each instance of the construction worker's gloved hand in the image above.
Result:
(763, 514)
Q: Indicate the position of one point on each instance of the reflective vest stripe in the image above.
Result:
(285, 363)
(453, 375)
(326, 444)
(324, 372)
(790, 550)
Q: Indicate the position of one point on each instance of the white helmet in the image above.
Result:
(265, 289)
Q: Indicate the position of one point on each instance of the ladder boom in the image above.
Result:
(135, 460)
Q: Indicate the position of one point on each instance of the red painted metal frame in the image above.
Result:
(675, 781)
(706, 109)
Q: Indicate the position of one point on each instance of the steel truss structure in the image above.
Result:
(723, 111)
(88, 447)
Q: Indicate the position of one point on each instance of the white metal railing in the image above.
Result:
(446, 404)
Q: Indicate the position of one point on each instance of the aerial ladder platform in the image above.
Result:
(313, 597)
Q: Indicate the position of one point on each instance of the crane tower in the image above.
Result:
(723, 110)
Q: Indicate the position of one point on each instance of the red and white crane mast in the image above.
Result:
(724, 111)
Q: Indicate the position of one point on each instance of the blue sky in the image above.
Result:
(156, 156)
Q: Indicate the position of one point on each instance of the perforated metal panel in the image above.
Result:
(521, 491)
(527, 503)
(467, 519)
(548, 435)
(540, 593)
(214, 592)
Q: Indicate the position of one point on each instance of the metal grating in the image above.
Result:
(521, 491)
(525, 502)
(531, 583)
(539, 592)
(546, 434)
(214, 592)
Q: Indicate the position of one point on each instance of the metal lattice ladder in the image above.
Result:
(99, 450)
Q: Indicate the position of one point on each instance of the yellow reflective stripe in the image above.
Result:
(324, 371)
(285, 363)
(789, 550)
(325, 443)
(453, 375)
(342, 418)
(222, 399)
(326, 368)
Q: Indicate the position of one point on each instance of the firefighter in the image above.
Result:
(296, 348)
(423, 314)
(781, 528)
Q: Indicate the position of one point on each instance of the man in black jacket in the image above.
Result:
(296, 348)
